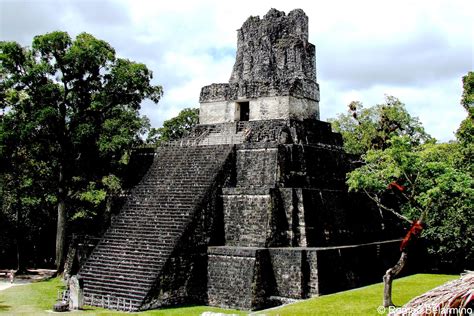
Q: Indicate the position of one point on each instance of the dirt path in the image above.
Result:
(32, 276)
(6, 284)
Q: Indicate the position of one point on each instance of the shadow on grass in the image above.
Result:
(179, 306)
(87, 308)
(4, 308)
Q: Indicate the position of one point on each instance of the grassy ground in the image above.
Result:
(38, 298)
(365, 300)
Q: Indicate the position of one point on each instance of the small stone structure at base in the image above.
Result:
(61, 307)
(76, 296)
(251, 209)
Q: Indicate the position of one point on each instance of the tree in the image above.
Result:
(26, 193)
(427, 185)
(429, 190)
(81, 102)
(371, 128)
(465, 132)
(176, 127)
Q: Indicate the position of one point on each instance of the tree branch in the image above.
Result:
(381, 206)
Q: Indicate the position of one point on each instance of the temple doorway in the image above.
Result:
(244, 110)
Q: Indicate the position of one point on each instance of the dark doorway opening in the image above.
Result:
(244, 111)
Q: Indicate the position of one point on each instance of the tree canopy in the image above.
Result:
(426, 183)
(407, 173)
(371, 128)
(176, 127)
(465, 132)
(70, 117)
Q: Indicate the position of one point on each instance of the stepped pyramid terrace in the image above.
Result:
(250, 210)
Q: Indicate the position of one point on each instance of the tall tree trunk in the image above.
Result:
(388, 279)
(21, 268)
(108, 209)
(61, 223)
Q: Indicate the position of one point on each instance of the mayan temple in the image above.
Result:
(250, 210)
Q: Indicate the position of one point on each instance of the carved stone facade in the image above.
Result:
(274, 75)
(251, 209)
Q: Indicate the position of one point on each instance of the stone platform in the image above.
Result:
(254, 277)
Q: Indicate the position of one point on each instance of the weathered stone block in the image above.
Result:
(61, 307)
(247, 219)
(239, 277)
(288, 269)
(76, 295)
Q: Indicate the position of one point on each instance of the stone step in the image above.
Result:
(138, 213)
(112, 302)
(144, 257)
(123, 265)
(155, 249)
(147, 208)
(104, 270)
(99, 270)
(108, 288)
(119, 242)
(125, 275)
(130, 282)
(130, 235)
(116, 245)
(147, 227)
(129, 258)
(168, 224)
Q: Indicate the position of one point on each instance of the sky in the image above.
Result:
(417, 50)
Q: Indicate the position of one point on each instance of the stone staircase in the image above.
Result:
(216, 138)
(126, 263)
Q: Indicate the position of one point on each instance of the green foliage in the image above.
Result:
(176, 127)
(436, 180)
(371, 128)
(69, 107)
(434, 187)
(467, 99)
(465, 132)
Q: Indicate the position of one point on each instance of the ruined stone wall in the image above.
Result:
(274, 70)
(217, 112)
(306, 272)
(257, 167)
(297, 88)
(230, 277)
(281, 131)
(274, 48)
(240, 276)
(341, 268)
(262, 108)
(247, 219)
(290, 272)
(251, 278)
(295, 195)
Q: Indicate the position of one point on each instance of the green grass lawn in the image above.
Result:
(365, 300)
(38, 298)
